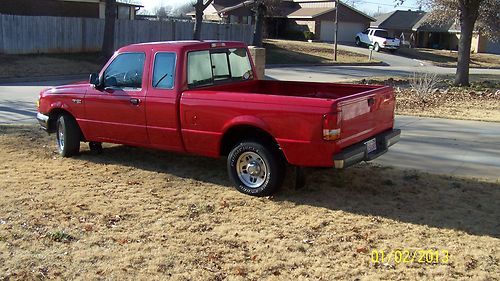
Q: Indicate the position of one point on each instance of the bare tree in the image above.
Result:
(199, 7)
(473, 15)
(262, 8)
(108, 42)
(161, 13)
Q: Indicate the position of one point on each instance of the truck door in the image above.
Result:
(115, 112)
(161, 103)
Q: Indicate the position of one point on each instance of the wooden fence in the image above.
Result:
(33, 34)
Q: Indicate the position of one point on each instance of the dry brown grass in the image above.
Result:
(448, 58)
(141, 214)
(48, 65)
(299, 52)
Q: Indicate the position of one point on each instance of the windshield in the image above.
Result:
(206, 68)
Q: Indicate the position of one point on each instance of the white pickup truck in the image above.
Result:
(378, 38)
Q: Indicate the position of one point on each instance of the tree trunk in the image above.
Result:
(468, 15)
(108, 42)
(464, 47)
(259, 24)
(198, 19)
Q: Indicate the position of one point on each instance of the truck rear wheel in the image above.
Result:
(67, 136)
(358, 42)
(376, 47)
(255, 169)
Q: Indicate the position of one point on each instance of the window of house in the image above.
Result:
(125, 71)
(164, 71)
(123, 13)
(221, 65)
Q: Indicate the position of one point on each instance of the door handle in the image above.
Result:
(135, 101)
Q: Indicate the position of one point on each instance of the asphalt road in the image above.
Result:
(453, 147)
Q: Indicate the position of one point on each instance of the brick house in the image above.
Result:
(66, 8)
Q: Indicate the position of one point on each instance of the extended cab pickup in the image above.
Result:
(202, 97)
(378, 39)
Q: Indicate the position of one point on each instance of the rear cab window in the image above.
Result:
(224, 65)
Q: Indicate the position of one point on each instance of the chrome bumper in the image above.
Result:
(43, 120)
(358, 152)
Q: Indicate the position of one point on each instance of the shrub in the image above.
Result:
(308, 35)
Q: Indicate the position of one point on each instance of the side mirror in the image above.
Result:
(94, 80)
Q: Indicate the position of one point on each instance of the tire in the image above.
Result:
(376, 47)
(67, 136)
(95, 147)
(358, 42)
(255, 169)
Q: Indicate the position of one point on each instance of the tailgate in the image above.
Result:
(364, 115)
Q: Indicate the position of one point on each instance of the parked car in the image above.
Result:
(202, 97)
(378, 39)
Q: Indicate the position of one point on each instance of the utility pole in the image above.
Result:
(336, 27)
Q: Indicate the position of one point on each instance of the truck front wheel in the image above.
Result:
(255, 169)
(376, 47)
(67, 136)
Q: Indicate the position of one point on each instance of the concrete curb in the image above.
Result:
(328, 64)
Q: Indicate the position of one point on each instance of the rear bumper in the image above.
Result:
(43, 120)
(391, 47)
(358, 152)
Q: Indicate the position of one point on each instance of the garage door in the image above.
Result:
(493, 47)
(347, 31)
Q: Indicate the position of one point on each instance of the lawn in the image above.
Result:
(299, 52)
(132, 213)
(48, 65)
(448, 58)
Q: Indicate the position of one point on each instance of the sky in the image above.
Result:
(367, 6)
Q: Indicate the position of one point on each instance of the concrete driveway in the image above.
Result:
(388, 58)
(443, 146)
(453, 147)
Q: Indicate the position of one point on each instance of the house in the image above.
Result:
(318, 16)
(415, 28)
(66, 8)
(228, 11)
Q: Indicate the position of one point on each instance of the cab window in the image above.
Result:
(206, 68)
(125, 71)
(164, 71)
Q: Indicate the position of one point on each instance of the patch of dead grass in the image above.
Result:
(48, 65)
(448, 58)
(143, 214)
(299, 52)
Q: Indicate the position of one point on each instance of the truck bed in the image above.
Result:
(297, 89)
(359, 111)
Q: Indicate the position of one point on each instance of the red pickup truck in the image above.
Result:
(202, 97)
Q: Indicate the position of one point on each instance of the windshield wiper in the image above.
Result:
(161, 79)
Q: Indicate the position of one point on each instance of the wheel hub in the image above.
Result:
(251, 169)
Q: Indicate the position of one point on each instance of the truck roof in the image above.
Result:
(178, 45)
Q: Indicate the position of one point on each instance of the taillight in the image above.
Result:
(331, 130)
(385, 42)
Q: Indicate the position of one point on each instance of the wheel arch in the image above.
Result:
(54, 115)
(242, 131)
